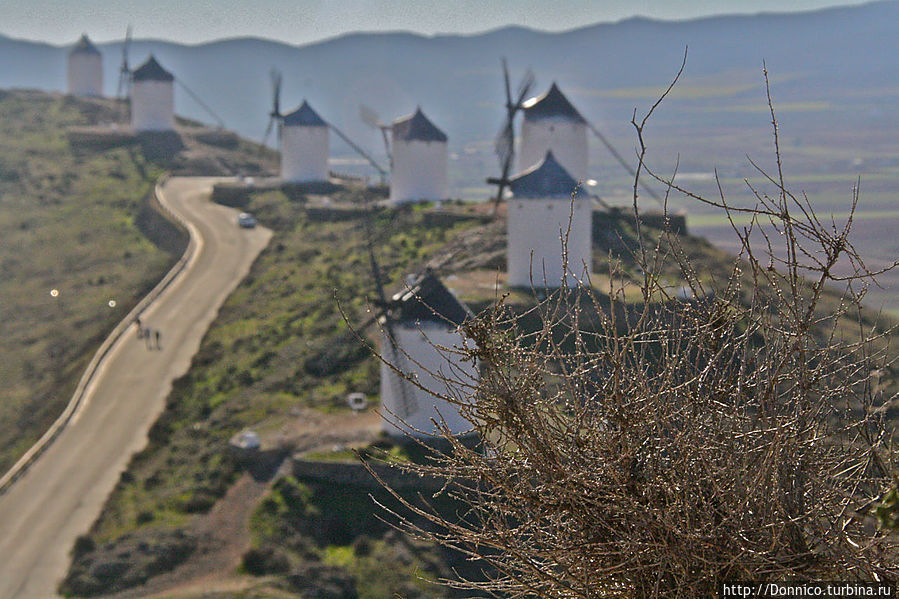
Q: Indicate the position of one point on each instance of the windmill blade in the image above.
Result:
(358, 150)
(524, 87)
(624, 163)
(268, 130)
(276, 93)
(502, 144)
(124, 69)
(387, 151)
(508, 86)
(407, 402)
(369, 117)
(503, 181)
(274, 115)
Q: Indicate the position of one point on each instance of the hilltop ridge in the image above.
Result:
(82, 242)
(457, 76)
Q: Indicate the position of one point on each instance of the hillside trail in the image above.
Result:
(224, 533)
(61, 494)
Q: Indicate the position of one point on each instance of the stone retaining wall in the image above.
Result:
(347, 473)
(606, 221)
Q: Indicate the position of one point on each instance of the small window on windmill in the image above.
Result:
(357, 401)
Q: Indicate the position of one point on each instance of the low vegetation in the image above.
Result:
(74, 257)
(281, 350)
(279, 346)
(679, 445)
(81, 243)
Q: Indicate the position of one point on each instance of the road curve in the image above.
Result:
(62, 493)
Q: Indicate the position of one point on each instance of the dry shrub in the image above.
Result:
(661, 447)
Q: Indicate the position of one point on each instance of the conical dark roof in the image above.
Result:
(84, 46)
(426, 299)
(152, 71)
(417, 127)
(551, 104)
(304, 116)
(549, 179)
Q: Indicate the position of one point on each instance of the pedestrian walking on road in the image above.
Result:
(158, 337)
(148, 337)
(140, 328)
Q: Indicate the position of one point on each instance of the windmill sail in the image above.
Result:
(504, 145)
(275, 117)
(124, 70)
(407, 404)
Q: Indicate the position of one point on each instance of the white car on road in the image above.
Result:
(246, 220)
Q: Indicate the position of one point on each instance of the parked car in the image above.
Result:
(246, 220)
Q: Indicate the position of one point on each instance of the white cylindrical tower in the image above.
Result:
(85, 69)
(304, 146)
(152, 98)
(552, 123)
(543, 220)
(419, 155)
(425, 321)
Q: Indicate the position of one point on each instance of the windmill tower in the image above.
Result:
(416, 324)
(85, 69)
(304, 146)
(418, 160)
(152, 98)
(537, 222)
(552, 123)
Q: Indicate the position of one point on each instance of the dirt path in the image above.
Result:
(224, 532)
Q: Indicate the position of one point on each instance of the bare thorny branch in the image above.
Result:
(658, 448)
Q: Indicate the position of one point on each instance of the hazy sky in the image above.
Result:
(303, 21)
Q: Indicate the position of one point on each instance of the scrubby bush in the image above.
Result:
(675, 444)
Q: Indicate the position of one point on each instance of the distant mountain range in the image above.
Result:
(846, 56)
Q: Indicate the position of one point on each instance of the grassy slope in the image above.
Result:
(77, 220)
(67, 222)
(279, 342)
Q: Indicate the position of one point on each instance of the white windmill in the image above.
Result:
(85, 69)
(418, 160)
(552, 123)
(304, 140)
(543, 214)
(420, 329)
(420, 326)
(304, 146)
(152, 98)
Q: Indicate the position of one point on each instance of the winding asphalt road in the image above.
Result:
(62, 493)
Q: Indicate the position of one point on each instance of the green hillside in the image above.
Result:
(68, 222)
(79, 246)
(279, 359)
(278, 352)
